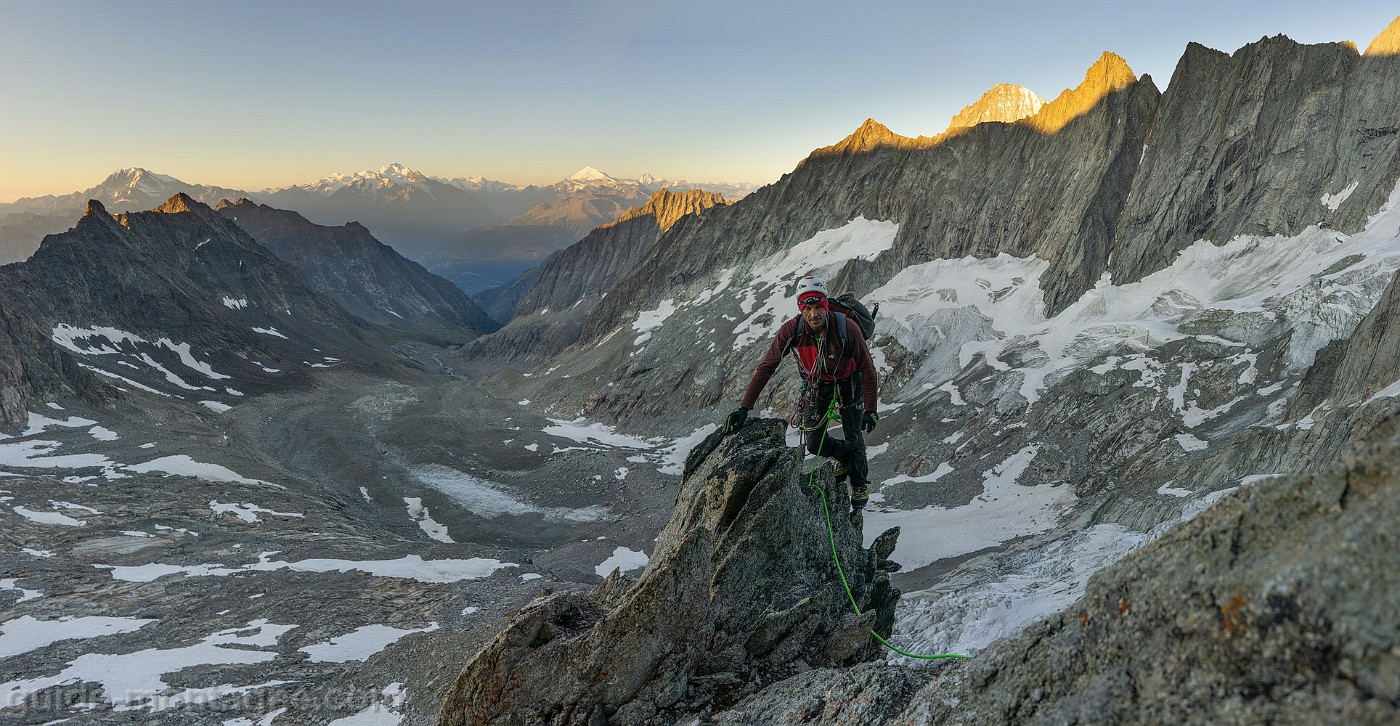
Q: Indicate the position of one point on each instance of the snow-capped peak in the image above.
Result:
(400, 173)
(135, 174)
(385, 177)
(588, 173)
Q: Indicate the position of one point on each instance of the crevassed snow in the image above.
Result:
(27, 633)
(986, 306)
(490, 500)
(136, 679)
(624, 559)
(419, 513)
(360, 644)
(963, 618)
(1005, 510)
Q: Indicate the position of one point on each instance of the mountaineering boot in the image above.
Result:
(860, 494)
(840, 472)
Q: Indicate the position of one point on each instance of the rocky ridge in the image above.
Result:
(365, 277)
(1261, 609)
(740, 591)
(177, 288)
(569, 285)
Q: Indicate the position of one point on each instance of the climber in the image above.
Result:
(831, 364)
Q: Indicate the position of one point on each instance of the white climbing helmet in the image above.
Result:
(810, 286)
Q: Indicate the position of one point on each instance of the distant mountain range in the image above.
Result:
(464, 228)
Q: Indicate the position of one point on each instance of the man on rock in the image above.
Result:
(832, 364)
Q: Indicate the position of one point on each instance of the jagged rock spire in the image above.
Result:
(1388, 42)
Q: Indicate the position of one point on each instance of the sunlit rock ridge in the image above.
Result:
(1005, 102)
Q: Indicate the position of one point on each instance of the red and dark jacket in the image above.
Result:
(833, 363)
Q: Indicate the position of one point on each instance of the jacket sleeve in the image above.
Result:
(769, 364)
(860, 355)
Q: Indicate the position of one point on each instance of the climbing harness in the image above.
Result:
(831, 538)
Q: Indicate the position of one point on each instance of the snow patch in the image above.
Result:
(491, 500)
(419, 513)
(622, 559)
(409, 567)
(135, 680)
(360, 644)
(182, 465)
(248, 512)
(27, 633)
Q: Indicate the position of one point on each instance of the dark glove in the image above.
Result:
(868, 423)
(736, 420)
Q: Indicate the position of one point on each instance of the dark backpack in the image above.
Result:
(844, 306)
(865, 317)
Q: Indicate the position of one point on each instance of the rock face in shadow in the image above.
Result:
(549, 313)
(1269, 140)
(363, 275)
(1274, 606)
(741, 591)
(162, 290)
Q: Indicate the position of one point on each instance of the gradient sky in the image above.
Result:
(259, 94)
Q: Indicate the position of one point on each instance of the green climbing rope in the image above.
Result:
(831, 538)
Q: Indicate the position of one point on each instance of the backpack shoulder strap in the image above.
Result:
(841, 328)
(796, 336)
